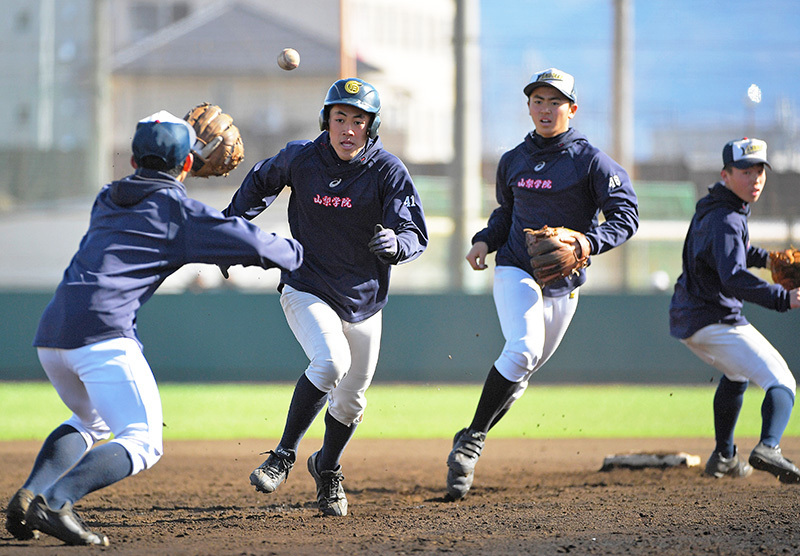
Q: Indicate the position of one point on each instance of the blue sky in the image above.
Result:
(693, 62)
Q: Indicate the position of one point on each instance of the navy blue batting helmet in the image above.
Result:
(355, 92)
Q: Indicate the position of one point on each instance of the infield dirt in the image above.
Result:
(529, 497)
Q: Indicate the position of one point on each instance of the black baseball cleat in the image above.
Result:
(62, 524)
(769, 459)
(15, 516)
(719, 466)
(275, 470)
(467, 447)
(331, 498)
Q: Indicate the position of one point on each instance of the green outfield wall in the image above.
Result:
(233, 336)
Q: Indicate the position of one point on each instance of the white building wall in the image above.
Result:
(411, 41)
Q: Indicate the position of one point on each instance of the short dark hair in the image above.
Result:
(156, 163)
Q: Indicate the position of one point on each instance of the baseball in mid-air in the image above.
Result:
(288, 59)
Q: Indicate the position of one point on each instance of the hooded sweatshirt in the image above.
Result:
(559, 181)
(142, 229)
(715, 280)
(334, 207)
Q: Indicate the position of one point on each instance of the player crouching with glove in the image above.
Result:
(550, 188)
(142, 229)
(706, 313)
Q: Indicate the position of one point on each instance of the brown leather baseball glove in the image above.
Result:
(556, 253)
(219, 148)
(785, 267)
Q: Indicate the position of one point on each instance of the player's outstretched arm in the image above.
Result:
(230, 241)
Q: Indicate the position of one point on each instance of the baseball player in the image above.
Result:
(142, 229)
(706, 314)
(356, 212)
(555, 177)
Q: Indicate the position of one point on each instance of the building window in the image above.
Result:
(149, 17)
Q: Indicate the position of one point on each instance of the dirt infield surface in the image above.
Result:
(529, 497)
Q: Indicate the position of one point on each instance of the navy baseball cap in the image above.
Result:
(559, 80)
(164, 136)
(743, 153)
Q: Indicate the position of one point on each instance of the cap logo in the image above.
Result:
(551, 75)
(352, 87)
(753, 148)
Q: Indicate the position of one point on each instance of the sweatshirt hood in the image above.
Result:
(134, 188)
(720, 196)
(337, 167)
(536, 142)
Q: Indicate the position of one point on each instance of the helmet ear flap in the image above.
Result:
(323, 121)
(372, 132)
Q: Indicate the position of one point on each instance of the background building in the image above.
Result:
(78, 74)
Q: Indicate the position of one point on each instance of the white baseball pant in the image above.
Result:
(742, 353)
(342, 355)
(533, 325)
(110, 389)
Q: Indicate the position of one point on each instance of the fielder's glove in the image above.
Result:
(785, 267)
(219, 148)
(384, 242)
(556, 253)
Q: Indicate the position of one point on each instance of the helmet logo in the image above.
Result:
(352, 87)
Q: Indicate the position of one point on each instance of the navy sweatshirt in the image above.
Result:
(142, 229)
(559, 181)
(333, 209)
(716, 256)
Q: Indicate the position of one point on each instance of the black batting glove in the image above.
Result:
(384, 242)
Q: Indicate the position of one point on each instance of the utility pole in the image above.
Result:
(622, 95)
(100, 144)
(45, 98)
(622, 86)
(466, 174)
(347, 59)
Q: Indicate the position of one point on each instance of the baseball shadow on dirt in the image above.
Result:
(529, 497)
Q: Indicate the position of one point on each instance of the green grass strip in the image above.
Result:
(258, 410)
